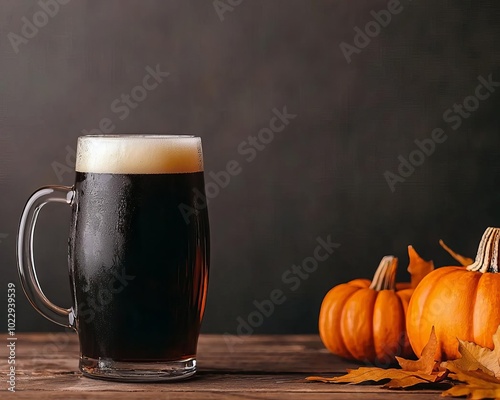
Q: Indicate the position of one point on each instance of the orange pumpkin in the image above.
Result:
(459, 302)
(366, 321)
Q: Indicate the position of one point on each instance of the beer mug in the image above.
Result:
(138, 255)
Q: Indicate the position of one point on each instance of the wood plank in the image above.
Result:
(269, 353)
(223, 396)
(203, 383)
(254, 367)
(207, 343)
(51, 381)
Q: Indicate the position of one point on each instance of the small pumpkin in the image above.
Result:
(460, 302)
(365, 320)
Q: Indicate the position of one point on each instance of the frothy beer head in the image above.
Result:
(139, 154)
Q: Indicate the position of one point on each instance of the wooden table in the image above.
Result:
(253, 367)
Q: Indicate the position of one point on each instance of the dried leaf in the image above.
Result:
(407, 381)
(412, 380)
(477, 369)
(465, 261)
(428, 362)
(473, 392)
(424, 370)
(471, 353)
(418, 267)
(367, 374)
(476, 357)
(479, 385)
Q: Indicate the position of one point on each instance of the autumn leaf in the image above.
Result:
(475, 357)
(424, 370)
(471, 353)
(478, 384)
(418, 267)
(465, 261)
(405, 382)
(428, 362)
(374, 374)
(478, 371)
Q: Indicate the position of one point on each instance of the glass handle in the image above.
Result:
(25, 259)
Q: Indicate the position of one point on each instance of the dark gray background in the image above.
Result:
(323, 175)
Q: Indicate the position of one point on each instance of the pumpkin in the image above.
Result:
(460, 302)
(365, 320)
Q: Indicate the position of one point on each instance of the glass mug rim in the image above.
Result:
(140, 136)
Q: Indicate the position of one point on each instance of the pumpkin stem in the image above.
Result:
(385, 275)
(487, 258)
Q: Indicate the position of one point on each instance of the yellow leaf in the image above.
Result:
(471, 356)
(405, 382)
(465, 261)
(479, 385)
(476, 370)
(418, 267)
(473, 392)
(412, 380)
(425, 370)
(476, 357)
(428, 362)
(366, 374)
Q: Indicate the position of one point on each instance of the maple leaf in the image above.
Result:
(375, 374)
(428, 362)
(465, 261)
(475, 357)
(479, 385)
(424, 370)
(418, 267)
(405, 382)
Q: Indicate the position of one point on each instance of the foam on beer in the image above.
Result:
(139, 154)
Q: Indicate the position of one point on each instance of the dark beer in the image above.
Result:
(139, 268)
